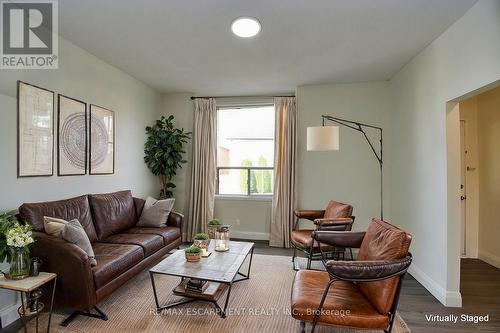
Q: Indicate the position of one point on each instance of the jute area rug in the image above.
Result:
(260, 305)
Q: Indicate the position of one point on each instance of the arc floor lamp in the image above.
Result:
(324, 138)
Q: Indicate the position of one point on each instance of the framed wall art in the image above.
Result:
(102, 140)
(35, 131)
(71, 136)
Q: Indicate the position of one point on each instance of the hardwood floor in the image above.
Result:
(480, 288)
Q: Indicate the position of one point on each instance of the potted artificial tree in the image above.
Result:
(163, 152)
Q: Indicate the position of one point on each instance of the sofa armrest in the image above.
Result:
(340, 238)
(175, 219)
(363, 271)
(75, 281)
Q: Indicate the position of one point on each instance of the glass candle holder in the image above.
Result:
(222, 238)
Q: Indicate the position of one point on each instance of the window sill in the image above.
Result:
(227, 197)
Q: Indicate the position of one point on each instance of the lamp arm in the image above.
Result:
(379, 155)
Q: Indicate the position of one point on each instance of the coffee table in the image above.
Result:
(220, 269)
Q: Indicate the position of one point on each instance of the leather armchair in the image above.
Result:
(368, 288)
(336, 217)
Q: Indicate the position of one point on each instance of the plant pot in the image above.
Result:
(19, 263)
(211, 230)
(202, 244)
(193, 257)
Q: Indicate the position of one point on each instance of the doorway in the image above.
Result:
(473, 138)
(463, 190)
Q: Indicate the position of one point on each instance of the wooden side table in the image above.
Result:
(27, 286)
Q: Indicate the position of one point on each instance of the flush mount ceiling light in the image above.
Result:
(245, 27)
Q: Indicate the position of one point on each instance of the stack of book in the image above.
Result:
(196, 285)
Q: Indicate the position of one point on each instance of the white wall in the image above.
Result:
(82, 76)
(462, 59)
(488, 110)
(350, 175)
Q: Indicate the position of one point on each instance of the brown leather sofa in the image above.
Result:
(121, 249)
(361, 294)
(336, 217)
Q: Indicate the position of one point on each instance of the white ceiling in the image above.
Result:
(187, 45)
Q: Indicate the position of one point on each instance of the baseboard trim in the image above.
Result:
(249, 235)
(447, 298)
(489, 258)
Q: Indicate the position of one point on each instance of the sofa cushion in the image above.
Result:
(53, 226)
(155, 212)
(69, 209)
(343, 296)
(73, 232)
(112, 212)
(169, 234)
(150, 243)
(113, 260)
(383, 241)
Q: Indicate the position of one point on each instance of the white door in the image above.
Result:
(463, 197)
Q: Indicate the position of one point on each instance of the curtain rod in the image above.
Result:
(195, 97)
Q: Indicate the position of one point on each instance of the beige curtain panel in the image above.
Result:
(285, 172)
(203, 172)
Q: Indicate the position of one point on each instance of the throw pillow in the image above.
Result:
(155, 212)
(73, 232)
(53, 226)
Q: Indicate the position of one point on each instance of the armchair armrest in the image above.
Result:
(175, 219)
(363, 271)
(75, 281)
(332, 221)
(340, 238)
(309, 214)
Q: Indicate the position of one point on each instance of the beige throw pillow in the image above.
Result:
(53, 226)
(155, 212)
(73, 232)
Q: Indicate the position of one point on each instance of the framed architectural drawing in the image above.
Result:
(35, 131)
(102, 140)
(71, 137)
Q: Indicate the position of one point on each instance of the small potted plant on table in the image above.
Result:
(193, 253)
(213, 225)
(201, 240)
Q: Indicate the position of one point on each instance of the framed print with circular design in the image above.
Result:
(71, 136)
(102, 140)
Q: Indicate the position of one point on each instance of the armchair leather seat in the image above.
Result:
(308, 288)
(150, 243)
(302, 238)
(113, 260)
(168, 233)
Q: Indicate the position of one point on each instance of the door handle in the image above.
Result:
(462, 197)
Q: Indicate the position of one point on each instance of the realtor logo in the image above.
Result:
(29, 38)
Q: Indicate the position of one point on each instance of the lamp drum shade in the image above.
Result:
(322, 138)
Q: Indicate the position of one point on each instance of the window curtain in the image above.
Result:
(285, 172)
(203, 172)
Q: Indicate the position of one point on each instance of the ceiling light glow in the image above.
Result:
(245, 27)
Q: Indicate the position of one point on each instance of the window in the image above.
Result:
(245, 150)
